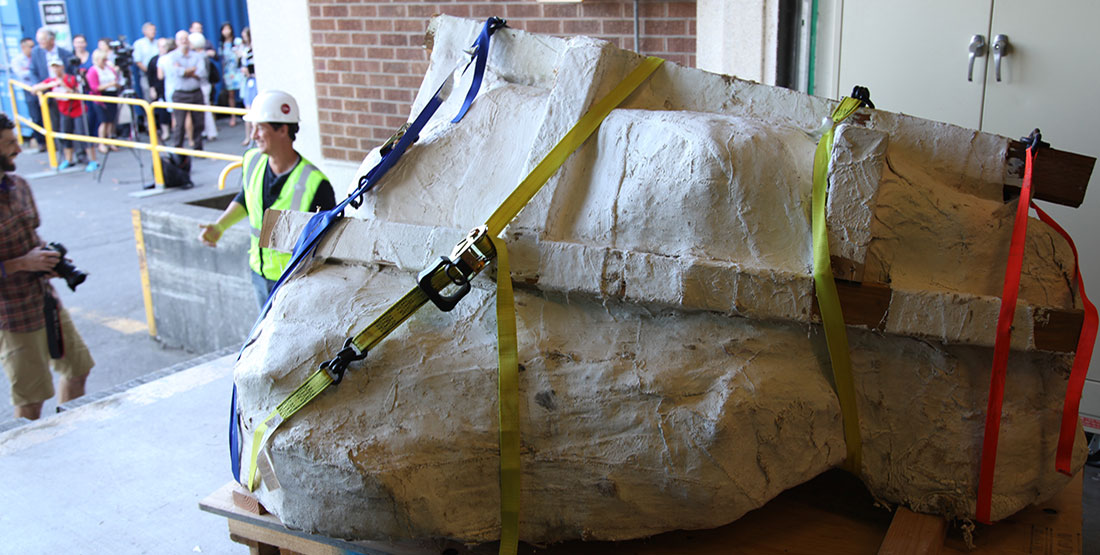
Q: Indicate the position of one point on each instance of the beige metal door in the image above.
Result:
(1050, 79)
(914, 56)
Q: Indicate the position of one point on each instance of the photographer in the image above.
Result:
(25, 293)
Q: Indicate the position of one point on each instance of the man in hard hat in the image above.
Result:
(274, 176)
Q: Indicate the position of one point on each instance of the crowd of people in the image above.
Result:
(183, 68)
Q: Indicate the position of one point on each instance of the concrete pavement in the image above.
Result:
(124, 474)
(93, 220)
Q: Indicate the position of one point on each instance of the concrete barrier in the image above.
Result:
(203, 298)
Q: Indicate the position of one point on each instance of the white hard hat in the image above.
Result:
(197, 41)
(273, 106)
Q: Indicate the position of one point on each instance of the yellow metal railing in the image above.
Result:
(15, 110)
(153, 145)
(225, 173)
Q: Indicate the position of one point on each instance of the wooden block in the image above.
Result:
(1058, 176)
(244, 499)
(267, 539)
(863, 304)
(848, 270)
(914, 534)
(1058, 330)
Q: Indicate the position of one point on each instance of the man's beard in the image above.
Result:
(6, 163)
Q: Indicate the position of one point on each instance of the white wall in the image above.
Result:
(827, 54)
(283, 53)
(737, 37)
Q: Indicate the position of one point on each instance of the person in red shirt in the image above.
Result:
(72, 114)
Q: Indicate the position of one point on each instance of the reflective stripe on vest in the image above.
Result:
(297, 194)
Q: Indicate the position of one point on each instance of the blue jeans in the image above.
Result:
(263, 288)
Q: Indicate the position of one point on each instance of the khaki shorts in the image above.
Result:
(26, 360)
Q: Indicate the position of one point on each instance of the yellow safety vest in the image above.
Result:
(297, 194)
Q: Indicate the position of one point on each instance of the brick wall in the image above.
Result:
(370, 58)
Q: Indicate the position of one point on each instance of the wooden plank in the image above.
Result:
(914, 534)
(220, 502)
(247, 502)
(1042, 529)
(847, 270)
(832, 514)
(864, 304)
(867, 304)
(1058, 330)
(1058, 176)
(273, 541)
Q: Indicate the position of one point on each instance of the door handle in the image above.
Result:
(977, 50)
(1001, 48)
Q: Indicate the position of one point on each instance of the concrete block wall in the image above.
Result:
(369, 55)
(203, 298)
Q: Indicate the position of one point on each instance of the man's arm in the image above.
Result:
(211, 233)
(175, 68)
(45, 85)
(37, 260)
(37, 68)
(200, 70)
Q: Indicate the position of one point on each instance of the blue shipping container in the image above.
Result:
(96, 19)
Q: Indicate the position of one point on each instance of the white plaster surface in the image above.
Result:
(672, 373)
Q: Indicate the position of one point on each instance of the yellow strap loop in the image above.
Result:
(828, 301)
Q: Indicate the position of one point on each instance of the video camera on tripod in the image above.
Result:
(124, 59)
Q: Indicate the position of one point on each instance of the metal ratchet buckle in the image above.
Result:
(336, 367)
(390, 142)
(469, 257)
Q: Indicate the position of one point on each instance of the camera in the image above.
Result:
(65, 268)
(124, 58)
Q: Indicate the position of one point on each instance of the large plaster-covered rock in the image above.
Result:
(673, 370)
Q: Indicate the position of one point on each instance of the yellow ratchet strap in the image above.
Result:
(508, 373)
(828, 301)
(508, 403)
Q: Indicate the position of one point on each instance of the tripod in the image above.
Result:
(132, 136)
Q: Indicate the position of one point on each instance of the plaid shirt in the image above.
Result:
(21, 293)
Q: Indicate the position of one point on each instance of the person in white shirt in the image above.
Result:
(144, 49)
(184, 72)
(198, 45)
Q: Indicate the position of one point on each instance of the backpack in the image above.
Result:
(177, 171)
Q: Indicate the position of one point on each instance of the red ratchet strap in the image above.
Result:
(1081, 359)
(1000, 346)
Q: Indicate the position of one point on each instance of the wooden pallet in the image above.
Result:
(830, 515)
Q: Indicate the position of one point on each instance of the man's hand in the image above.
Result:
(210, 233)
(37, 260)
(189, 72)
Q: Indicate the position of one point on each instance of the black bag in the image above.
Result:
(177, 171)
(212, 72)
(54, 338)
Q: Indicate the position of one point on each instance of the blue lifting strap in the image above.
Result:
(321, 222)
